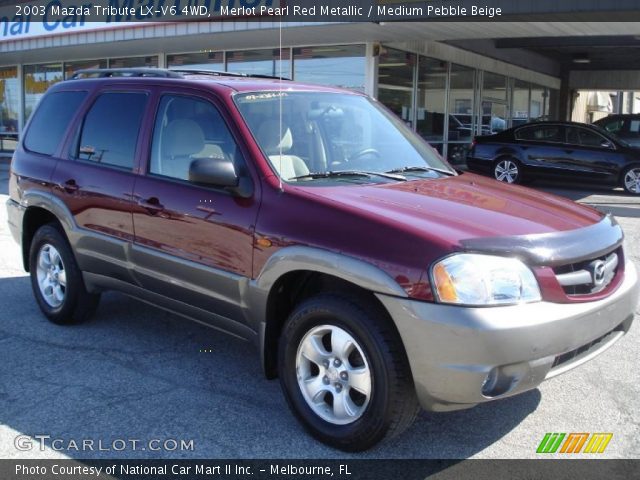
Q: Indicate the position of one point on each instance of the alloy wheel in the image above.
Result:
(333, 374)
(632, 180)
(51, 275)
(506, 171)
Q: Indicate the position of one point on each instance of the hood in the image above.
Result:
(461, 207)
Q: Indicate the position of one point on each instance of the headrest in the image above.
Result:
(181, 138)
(270, 139)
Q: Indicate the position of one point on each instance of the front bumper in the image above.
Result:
(463, 356)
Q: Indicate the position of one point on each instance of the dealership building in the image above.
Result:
(449, 80)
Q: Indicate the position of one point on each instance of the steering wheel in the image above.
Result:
(363, 152)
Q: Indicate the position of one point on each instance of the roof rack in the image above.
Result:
(124, 72)
(161, 73)
(220, 73)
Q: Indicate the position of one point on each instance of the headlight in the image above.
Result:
(472, 279)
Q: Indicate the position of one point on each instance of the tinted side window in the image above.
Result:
(188, 129)
(51, 120)
(589, 138)
(614, 126)
(541, 133)
(110, 129)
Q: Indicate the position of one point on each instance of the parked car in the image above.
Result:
(372, 277)
(625, 127)
(560, 150)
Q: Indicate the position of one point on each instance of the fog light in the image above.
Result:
(489, 384)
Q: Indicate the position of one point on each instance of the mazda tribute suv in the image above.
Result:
(373, 278)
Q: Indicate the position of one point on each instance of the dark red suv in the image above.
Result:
(310, 221)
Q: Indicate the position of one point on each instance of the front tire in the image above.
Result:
(631, 180)
(508, 170)
(56, 279)
(344, 372)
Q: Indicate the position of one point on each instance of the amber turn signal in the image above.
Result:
(444, 284)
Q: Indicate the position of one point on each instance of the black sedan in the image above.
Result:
(558, 150)
(625, 127)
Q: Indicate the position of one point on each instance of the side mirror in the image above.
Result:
(220, 173)
(606, 144)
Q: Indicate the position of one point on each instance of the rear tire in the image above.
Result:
(344, 372)
(508, 170)
(631, 180)
(56, 280)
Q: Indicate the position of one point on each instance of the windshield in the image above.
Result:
(322, 134)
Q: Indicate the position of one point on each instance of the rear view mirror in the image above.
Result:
(219, 173)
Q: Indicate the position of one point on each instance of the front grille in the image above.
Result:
(579, 352)
(589, 276)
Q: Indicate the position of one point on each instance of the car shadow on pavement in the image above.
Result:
(618, 211)
(135, 372)
(577, 191)
(607, 200)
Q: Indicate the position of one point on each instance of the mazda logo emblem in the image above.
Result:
(599, 270)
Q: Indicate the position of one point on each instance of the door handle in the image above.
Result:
(70, 186)
(152, 204)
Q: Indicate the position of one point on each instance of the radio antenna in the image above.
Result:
(280, 101)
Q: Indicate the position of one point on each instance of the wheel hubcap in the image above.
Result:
(333, 374)
(51, 276)
(632, 180)
(506, 171)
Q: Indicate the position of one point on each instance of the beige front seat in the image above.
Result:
(287, 166)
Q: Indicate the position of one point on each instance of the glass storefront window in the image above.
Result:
(200, 60)
(539, 109)
(494, 117)
(432, 84)
(494, 86)
(494, 103)
(9, 108)
(461, 108)
(71, 67)
(461, 85)
(520, 105)
(37, 79)
(338, 66)
(395, 82)
(260, 62)
(134, 62)
(9, 99)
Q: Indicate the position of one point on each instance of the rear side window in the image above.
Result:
(547, 133)
(50, 120)
(110, 129)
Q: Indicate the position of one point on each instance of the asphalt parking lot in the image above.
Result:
(136, 372)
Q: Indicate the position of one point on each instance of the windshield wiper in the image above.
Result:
(420, 169)
(350, 173)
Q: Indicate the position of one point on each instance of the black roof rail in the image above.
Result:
(161, 73)
(125, 72)
(220, 73)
